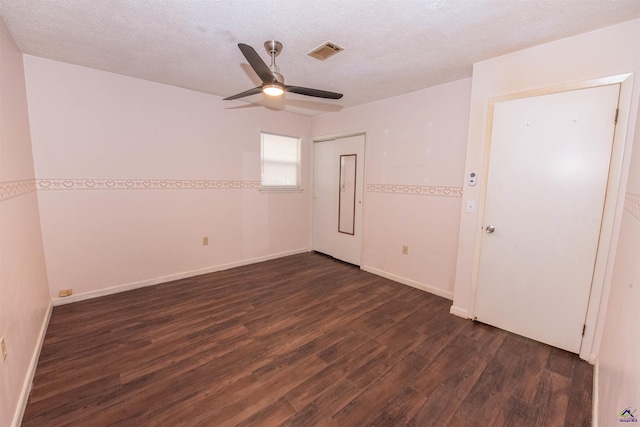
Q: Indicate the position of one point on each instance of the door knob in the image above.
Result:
(490, 229)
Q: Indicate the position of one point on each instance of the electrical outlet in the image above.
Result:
(405, 250)
(205, 241)
(66, 292)
(3, 348)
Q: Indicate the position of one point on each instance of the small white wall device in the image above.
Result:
(472, 179)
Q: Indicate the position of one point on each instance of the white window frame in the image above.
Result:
(280, 187)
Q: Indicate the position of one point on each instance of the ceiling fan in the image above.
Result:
(272, 80)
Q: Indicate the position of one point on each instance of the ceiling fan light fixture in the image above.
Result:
(273, 89)
(272, 80)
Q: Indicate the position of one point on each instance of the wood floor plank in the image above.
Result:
(327, 403)
(303, 340)
(445, 362)
(579, 407)
(366, 406)
(272, 415)
(561, 362)
(445, 400)
(552, 399)
(262, 396)
(400, 409)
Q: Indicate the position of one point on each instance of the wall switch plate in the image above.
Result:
(66, 292)
(471, 206)
(3, 348)
(205, 241)
(405, 250)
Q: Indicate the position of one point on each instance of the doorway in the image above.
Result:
(547, 181)
(338, 189)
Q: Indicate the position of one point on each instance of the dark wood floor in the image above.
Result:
(298, 341)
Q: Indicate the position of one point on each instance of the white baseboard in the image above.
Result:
(31, 372)
(423, 287)
(594, 398)
(460, 312)
(164, 279)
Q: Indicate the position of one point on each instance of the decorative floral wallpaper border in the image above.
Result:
(632, 204)
(422, 190)
(144, 184)
(15, 188)
(9, 189)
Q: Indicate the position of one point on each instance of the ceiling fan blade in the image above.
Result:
(258, 65)
(313, 92)
(253, 91)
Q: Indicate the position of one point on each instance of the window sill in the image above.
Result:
(268, 190)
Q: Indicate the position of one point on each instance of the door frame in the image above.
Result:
(612, 212)
(333, 137)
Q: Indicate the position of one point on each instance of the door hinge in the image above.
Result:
(584, 327)
(615, 121)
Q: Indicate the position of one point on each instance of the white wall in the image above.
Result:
(619, 358)
(415, 147)
(24, 296)
(133, 174)
(606, 52)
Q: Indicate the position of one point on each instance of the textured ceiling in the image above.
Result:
(391, 46)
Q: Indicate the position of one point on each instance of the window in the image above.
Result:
(280, 161)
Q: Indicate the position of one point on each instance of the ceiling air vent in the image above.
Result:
(325, 51)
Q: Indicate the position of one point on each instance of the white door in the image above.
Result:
(338, 188)
(547, 178)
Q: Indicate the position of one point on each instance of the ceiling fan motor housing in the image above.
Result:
(273, 47)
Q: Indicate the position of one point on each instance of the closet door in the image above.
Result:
(338, 189)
